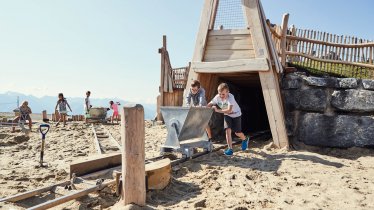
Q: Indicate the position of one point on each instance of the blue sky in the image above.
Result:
(110, 47)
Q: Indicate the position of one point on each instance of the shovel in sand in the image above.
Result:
(43, 128)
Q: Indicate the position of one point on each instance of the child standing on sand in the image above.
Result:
(87, 105)
(24, 114)
(114, 106)
(62, 103)
(232, 115)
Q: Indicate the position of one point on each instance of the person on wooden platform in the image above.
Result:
(87, 105)
(62, 103)
(232, 116)
(24, 115)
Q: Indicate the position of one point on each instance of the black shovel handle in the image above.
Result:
(44, 131)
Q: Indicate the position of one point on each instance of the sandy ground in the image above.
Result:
(261, 177)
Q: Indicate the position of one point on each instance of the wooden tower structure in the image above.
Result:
(241, 52)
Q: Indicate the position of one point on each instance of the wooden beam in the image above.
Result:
(283, 38)
(71, 196)
(205, 20)
(213, 14)
(133, 155)
(358, 45)
(225, 32)
(231, 66)
(219, 42)
(96, 141)
(113, 140)
(32, 193)
(269, 82)
(95, 163)
(29, 194)
(364, 65)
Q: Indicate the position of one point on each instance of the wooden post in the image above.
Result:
(160, 101)
(269, 79)
(45, 117)
(133, 155)
(283, 39)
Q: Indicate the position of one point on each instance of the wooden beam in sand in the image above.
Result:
(96, 141)
(133, 155)
(90, 165)
(32, 193)
(72, 196)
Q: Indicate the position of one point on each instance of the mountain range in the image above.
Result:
(8, 102)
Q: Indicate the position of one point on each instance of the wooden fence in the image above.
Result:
(322, 52)
(179, 77)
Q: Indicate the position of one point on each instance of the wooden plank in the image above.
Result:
(29, 194)
(95, 163)
(269, 83)
(32, 193)
(113, 140)
(323, 42)
(202, 34)
(133, 155)
(230, 37)
(225, 32)
(215, 42)
(233, 46)
(331, 61)
(213, 58)
(283, 39)
(244, 53)
(232, 66)
(71, 196)
(272, 51)
(96, 141)
(213, 14)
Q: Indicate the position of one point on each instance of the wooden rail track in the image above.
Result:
(100, 183)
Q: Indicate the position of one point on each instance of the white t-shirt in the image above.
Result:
(224, 104)
(87, 102)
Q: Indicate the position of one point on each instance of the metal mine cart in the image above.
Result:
(186, 129)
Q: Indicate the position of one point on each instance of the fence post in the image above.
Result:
(284, 38)
(133, 155)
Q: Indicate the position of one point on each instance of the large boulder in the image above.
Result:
(313, 100)
(353, 100)
(320, 82)
(336, 131)
(368, 84)
(291, 81)
(291, 99)
(347, 83)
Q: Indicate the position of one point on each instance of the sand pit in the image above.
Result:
(262, 177)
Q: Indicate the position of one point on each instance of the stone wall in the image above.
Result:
(328, 111)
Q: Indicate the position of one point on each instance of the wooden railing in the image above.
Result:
(179, 77)
(322, 52)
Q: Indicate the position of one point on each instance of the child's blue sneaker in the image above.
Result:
(228, 152)
(245, 143)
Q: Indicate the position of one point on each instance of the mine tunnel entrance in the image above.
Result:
(248, 93)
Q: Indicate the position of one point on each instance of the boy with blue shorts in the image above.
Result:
(232, 115)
